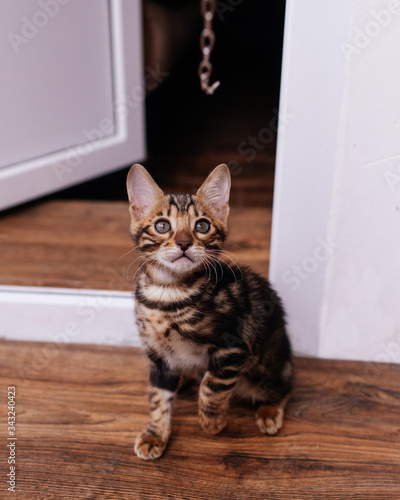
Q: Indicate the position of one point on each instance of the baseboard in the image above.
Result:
(68, 315)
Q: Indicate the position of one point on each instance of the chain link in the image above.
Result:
(207, 41)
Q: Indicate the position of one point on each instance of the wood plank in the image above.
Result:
(86, 244)
(79, 409)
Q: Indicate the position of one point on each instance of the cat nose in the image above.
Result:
(184, 244)
(183, 240)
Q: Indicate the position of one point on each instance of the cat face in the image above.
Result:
(180, 233)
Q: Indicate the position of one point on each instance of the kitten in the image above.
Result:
(199, 315)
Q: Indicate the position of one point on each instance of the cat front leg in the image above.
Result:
(153, 440)
(216, 388)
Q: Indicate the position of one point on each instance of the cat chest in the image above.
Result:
(171, 339)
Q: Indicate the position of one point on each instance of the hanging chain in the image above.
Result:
(207, 41)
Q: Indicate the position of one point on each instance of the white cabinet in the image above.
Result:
(71, 93)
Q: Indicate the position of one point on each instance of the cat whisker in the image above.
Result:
(208, 268)
(133, 262)
(215, 261)
(139, 268)
(224, 254)
(210, 262)
(222, 251)
(219, 263)
(215, 271)
(128, 252)
(226, 263)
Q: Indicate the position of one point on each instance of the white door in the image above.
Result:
(71, 93)
(335, 233)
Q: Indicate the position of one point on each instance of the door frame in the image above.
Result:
(63, 315)
(313, 78)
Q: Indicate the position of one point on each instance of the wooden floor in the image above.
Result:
(86, 244)
(79, 409)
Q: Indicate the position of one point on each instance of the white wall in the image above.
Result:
(336, 239)
(361, 315)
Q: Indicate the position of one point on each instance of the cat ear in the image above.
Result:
(215, 190)
(143, 191)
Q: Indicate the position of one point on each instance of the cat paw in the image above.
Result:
(213, 425)
(269, 419)
(148, 446)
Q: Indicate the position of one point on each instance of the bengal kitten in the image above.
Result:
(201, 316)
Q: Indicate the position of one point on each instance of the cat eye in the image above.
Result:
(202, 226)
(162, 226)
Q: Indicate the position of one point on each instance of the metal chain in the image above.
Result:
(207, 41)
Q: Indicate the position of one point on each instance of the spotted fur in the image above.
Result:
(200, 315)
